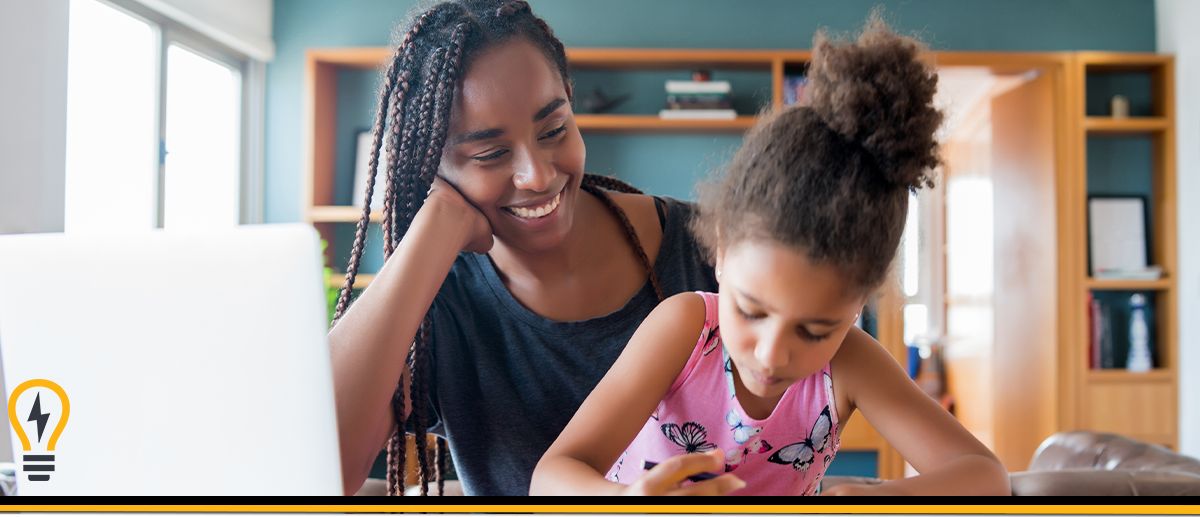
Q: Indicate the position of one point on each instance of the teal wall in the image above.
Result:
(668, 164)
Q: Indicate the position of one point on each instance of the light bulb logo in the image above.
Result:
(39, 465)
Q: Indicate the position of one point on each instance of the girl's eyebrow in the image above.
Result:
(810, 321)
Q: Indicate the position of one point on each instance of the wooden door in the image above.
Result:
(1025, 350)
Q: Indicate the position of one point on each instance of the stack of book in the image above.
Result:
(698, 100)
(1112, 321)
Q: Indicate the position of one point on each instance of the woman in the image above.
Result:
(494, 352)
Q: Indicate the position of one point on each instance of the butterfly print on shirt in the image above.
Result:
(734, 458)
(714, 339)
(616, 470)
(801, 455)
(690, 436)
(741, 433)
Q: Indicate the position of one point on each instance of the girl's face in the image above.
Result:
(512, 148)
(782, 317)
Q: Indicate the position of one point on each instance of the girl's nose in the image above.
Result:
(771, 350)
(532, 172)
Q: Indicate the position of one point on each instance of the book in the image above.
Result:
(697, 114)
(1141, 273)
(697, 97)
(725, 104)
(1093, 308)
(692, 87)
(1120, 322)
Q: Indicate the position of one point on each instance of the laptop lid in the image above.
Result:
(168, 363)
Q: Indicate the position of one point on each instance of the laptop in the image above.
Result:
(168, 363)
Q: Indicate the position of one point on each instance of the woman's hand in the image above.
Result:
(667, 478)
(453, 208)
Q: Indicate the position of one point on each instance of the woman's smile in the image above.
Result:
(533, 210)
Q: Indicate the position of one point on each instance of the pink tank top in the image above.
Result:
(785, 454)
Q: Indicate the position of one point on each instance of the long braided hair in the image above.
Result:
(413, 116)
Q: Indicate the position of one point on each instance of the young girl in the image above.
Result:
(756, 381)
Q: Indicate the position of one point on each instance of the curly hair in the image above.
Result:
(831, 179)
(434, 48)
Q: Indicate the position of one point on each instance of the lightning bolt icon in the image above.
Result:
(37, 415)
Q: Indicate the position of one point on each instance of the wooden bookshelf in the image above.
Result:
(1131, 125)
(1161, 284)
(592, 123)
(1117, 375)
(338, 214)
(1140, 405)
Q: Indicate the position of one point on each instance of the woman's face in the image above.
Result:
(782, 316)
(512, 148)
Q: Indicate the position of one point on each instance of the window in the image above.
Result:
(162, 123)
(921, 269)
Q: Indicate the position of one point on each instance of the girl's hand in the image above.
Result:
(667, 477)
(453, 209)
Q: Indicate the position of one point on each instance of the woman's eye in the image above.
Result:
(554, 132)
(490, 157)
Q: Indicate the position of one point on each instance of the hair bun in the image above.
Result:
(511, 8)
(876, 92)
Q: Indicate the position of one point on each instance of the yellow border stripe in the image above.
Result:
(662, 509)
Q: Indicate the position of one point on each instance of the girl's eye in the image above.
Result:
(490, 157)
(554, 132)
(804, 333)
(745, 315)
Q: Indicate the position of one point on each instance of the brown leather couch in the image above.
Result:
(1090, 463)
(1067, 463)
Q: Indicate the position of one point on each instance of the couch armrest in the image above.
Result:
(1090, 482)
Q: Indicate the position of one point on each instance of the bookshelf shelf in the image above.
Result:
(361, 280)
(338, 214)
(1161, 284)
(654, 124)
(1118, 375)
(1125, 126)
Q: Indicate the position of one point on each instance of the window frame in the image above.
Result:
(252, 86)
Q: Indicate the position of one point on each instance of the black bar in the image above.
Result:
(38, 468)
(29, 457)
(33, 477)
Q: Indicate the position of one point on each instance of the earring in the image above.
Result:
(718, 273)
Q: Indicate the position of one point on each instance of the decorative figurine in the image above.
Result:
(598, 102)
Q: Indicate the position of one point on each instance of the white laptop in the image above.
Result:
(193, 363)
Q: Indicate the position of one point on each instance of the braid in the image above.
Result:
(405, 52)
(594, 185)
(419, 417)
(396, 449)
(609, 183)
(442, 449)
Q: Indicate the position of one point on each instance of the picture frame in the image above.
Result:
(1117, 231)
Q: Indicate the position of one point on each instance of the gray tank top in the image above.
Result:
(506, 381)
